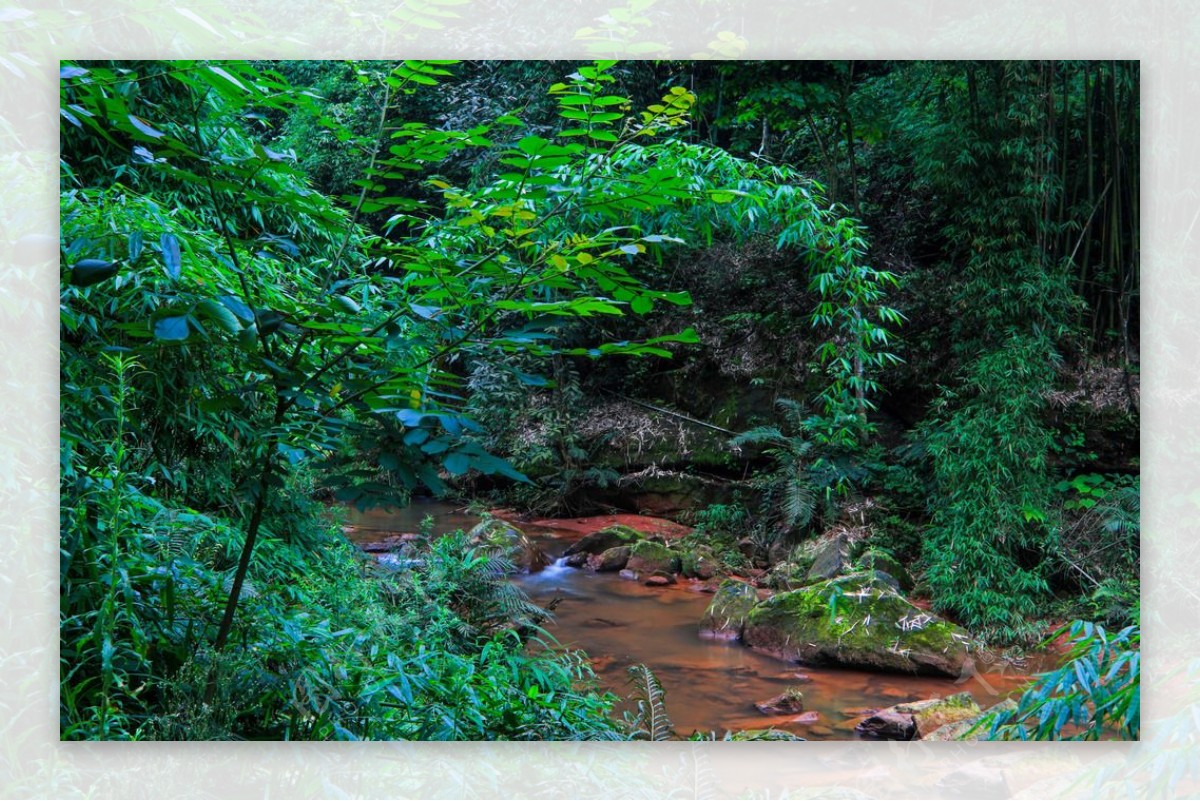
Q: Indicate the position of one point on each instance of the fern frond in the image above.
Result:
(651, 722)
(758, 436)
(793, 411)
(798, 502)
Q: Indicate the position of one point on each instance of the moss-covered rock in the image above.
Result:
(500, 537)
(788, 575)
(916, 719)
(600, 541)
(787, 702)
(859, 621)
(968, 728)
(612, 559)
(647, 557)
(937, 712)
(831, 556)
(700, 563)
(726, 615)
(874, 559)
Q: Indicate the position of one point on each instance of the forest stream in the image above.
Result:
(711, 685)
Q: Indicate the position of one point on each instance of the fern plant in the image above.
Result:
(812, 471)
(650, 721)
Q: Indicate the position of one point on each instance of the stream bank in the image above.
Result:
(711, 684)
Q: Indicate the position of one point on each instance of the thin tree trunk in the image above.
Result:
(266, 468)
(848, 124)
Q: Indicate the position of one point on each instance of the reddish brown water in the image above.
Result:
(710, 685)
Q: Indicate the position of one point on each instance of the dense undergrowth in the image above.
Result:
(328, 645)
(356, 282)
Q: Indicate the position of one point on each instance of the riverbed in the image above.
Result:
(711, 685)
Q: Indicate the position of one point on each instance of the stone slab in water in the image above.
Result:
(786, 702)
(914, 720)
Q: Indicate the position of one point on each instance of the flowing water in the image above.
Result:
(710, 685)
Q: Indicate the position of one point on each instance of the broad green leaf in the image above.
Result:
(92, 271)
(220, 314)
(171, 329)
(410, 417)
(235, 305)
(228, 77)
(248, 337)
(533, 144)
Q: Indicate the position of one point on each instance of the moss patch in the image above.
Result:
(600, 541)
(726, 614)
(612, 559)
(885, 562)
(700, 563)
(856, 621)
(649, 557)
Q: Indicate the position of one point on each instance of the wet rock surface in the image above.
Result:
(788, 701)
(506, 539)
(612, 559)
(726, 615)
(858, 621)
(917, 719)
(599, 541)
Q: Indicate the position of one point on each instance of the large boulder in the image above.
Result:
(504, 538)
(914, 720)
(726, 614)
(647, 556)
(857, 621)
(600, 541)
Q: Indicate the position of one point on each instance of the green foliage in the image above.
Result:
(288, 279)
(815, 467)
(650, 721)
(992, 527)
(1096, 694)
(328, 649)
(721, 518)
(534, 421)
(275, 334)
(719, 527)
(986, 144)
(1098, 545)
